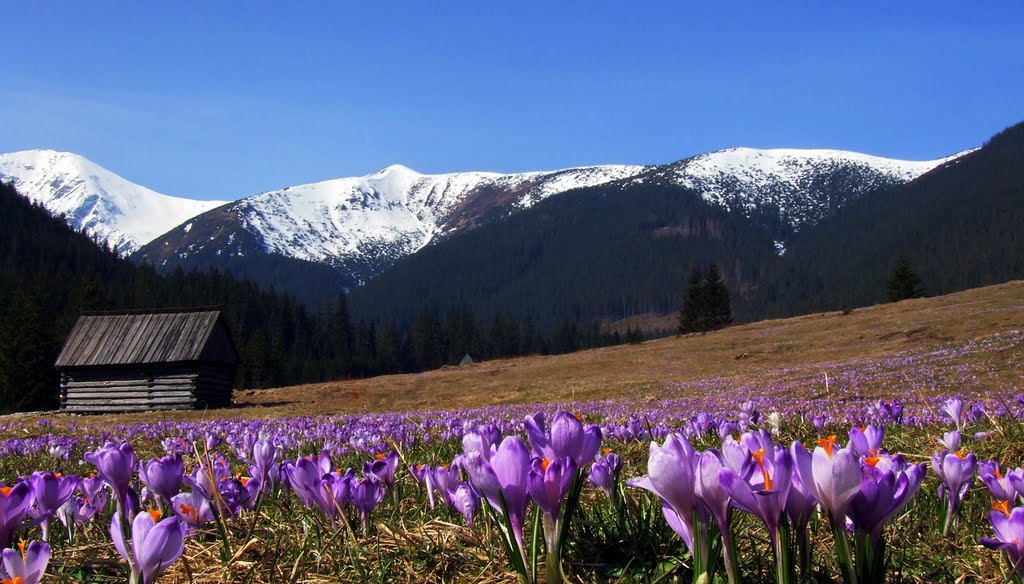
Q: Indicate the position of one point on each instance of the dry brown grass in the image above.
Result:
(740, 354)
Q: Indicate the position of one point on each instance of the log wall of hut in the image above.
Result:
(164, 387)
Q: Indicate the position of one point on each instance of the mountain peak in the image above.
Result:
(396, 169)
(93, 199)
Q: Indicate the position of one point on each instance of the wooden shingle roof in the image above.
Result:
(140, 337)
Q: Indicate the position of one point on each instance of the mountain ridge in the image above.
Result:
(96, 200)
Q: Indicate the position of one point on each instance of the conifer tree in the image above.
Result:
(706, 305)
(904, 282)
(691, 313)
(719, 309)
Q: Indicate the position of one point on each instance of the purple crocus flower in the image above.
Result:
(605, 472)
(950, 440)
(115, 463)
(14, 507)
(75, 512)
(234, 496)
(831, 473)
(1009, 536)
(303, 477)
(50, 490)
(424, 476)
(334, 494)
(366, 495)
(882, 494)
(670, 470)
(465, 501)
(548, 482)
(193, 508)
(954, 408)
(709, 489)
(1002, 488)
(163, 475)
(384, 469)
(503, 476)
(957, 474)
(264, 453)
(819, 424)
(92, 489)
(764, 496)
(27, 564)
(567, 438)
(446, 477)
(155, 544)
(867, 440)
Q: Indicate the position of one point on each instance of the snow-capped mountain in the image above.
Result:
(793, 186)
(363, 224)
(92, 198)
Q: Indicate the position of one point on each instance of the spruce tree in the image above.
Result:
(904, 282)
(692, 311)
(719, 309)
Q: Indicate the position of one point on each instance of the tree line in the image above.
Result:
(51, 274)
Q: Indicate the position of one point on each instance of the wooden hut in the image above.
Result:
(147, 360)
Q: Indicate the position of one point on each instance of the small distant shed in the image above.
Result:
(467, 360)
(147, 360)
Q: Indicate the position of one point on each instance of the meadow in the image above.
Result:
(882, 444)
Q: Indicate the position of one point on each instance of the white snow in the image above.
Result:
(394, 212)
(92, 198)
(748, 178)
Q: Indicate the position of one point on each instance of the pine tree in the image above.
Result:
(904, 282)
(719, 309)
(706, 305)
(691, 313)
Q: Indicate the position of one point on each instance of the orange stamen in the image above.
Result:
(190, 512)
(872, 461)
(155, 514)
(380, 457)
(56, 475)
(759, 457)
(16, 580)
(578, 417)
(1003, 506)
(21, 548)
(998, 474)
(544, 463)
(959, 453)
(243, 480)
(5, 490)
(418, 467)
(828, 444)
(607, 450)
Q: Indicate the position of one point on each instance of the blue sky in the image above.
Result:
(226, 99)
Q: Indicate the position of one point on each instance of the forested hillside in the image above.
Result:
(584, 256)
(625, 249)
(50, 274)
(960, 226)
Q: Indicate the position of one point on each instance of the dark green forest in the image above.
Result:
(50, 274)
(589, 255)
(960, 226)
(610, 252)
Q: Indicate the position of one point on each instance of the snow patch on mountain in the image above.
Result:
(790, 181)
(93, 199)
(393, 212)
